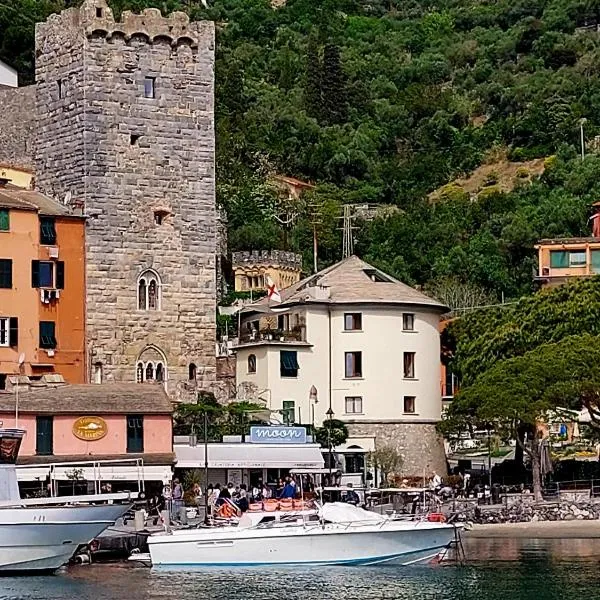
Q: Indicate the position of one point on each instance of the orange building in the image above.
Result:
(566, 258)
(42, 287)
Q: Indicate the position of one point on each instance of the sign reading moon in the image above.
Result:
(90, 429)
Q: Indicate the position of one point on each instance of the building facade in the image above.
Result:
(126, 129)
(251, 270)
(358, 342)
(42, 288)
(8, 76)
(562, 259)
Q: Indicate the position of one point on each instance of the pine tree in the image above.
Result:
(312, 79)
(333, 87)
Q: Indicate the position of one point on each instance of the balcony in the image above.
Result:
(295, 335)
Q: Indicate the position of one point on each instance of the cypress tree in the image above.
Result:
(312, 80)
(333, 87)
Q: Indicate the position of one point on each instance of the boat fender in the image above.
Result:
(436, 518)
(82, 559)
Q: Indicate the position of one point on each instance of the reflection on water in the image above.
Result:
(497, 569)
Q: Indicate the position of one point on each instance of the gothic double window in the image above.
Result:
(149, 291)
(150, 371)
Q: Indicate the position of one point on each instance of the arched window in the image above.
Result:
(98, 372)
(159, 372)
(139, 373)
(252, 363)
(192, 371)
(149, 372)
(149, 291)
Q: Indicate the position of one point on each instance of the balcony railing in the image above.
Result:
(296, 334)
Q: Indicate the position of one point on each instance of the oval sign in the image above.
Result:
(90, 429)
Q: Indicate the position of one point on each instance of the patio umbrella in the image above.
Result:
(545, 458)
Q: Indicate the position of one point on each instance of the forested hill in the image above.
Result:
(383, 101)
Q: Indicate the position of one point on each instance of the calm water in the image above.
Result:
(497, 570)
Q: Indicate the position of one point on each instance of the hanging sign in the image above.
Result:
(277, 435)
(90, 429)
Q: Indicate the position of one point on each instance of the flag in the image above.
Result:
(272, 291)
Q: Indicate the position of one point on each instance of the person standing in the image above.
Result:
(177, 498)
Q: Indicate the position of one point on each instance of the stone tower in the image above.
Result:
(126, 129)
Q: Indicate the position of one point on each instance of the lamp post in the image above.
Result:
(330, 414)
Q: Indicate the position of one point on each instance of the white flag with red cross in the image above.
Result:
(272, 291)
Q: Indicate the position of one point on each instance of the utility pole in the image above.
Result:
(315, 221)
(348, 239)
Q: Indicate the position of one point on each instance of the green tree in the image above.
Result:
(333, 431)
(312, 79)
(333, 87)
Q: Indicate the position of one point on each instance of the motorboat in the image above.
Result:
(41, 534)
(339, 534)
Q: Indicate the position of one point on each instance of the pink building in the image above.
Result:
(125, 428)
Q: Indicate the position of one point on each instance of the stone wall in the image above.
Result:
(267, 258)
(144, 169)
(419, 444)
(17, 124)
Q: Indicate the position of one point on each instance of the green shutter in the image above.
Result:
(289, 360)
(4, 220)
(35, 273)
(60, 275)
(596, 261)
(559, 259)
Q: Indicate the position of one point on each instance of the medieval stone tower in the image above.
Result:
(126, 129)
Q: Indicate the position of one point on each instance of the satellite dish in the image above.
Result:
(21, 358)
(68, 197)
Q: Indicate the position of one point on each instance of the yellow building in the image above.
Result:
(19, 176)
(562, 259)
(251, 269)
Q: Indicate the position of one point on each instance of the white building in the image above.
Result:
(8, 76)
(367, 344)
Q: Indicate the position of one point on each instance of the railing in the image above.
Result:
(273, 335)
(91, 472)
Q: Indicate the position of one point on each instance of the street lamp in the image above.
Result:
(330, 414)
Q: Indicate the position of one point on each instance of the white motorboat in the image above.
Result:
(342, 534)
(41, 534)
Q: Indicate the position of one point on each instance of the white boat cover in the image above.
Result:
(340, 512)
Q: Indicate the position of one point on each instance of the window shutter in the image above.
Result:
(35, 273)
(60, 275)
(4, 220)
(13, 329)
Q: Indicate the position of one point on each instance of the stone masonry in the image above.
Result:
(126, 127)
(419, 444)
(17, 123)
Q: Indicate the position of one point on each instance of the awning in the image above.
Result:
(250, 456)
(104, 473)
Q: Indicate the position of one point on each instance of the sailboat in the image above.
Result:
(42, 534)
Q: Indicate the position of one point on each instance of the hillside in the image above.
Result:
(384, 101)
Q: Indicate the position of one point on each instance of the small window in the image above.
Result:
(134, 138)
(61, 90)
(352, 322)
(98, 372)
(160, 372)
(354, 405)
(4, 331)
(289, 412)
(559, 259)
(149, 87)
(4, 219)
(98, 12)
(353, 364)
(47, 231)
(139, 373)
(409, 365)
(160, 216)
(46, 276)
(192, 372)
(5, 273)
(288, 363)
(135, 433)
(149, 291)
(409, 404)
(377, 276)
(577, 259)
(149, 373)
(252, 363)
(408, 322)
(48, 335)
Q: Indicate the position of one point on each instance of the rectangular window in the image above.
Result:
(44, 438)
(150, 87)
(577, 258)
(408, 322)
(596, 261)
(409, 365)
(47, 335)
(4, 220)
(283, 322)
(354, 405)
(289, 412)
(9, 332)
(135, 433)
(353, 364)
(352, 322)
(4, 329)
(5, 273)
(288, 363)
(61, 88)
(409, 404)
(559, 259)
(47, 231)
(47, 274)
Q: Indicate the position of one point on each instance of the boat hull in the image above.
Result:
(314, 545)
(42, 539)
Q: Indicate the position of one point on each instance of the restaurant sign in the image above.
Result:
(277, 435)
(90, 429)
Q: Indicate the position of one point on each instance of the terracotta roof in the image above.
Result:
(165, 458)
(91, 399)
(15, 197)
(350, 281)
(293, 181)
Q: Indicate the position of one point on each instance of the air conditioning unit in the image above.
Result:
(545, 271)
(53, 252)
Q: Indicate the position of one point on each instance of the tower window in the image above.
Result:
(133, 139)
(98, 372)
(61, 90)
(149, 288)
(149, 87)
(192, 371)
(99, 12)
